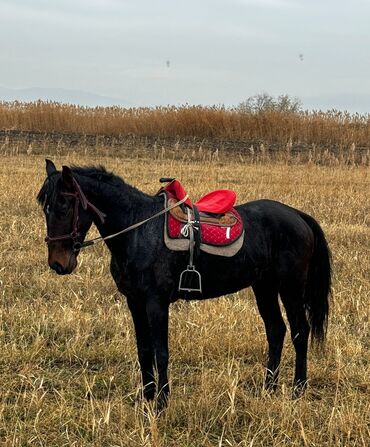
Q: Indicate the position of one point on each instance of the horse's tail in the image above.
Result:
(318, 286)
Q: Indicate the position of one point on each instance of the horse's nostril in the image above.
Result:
(58, 268)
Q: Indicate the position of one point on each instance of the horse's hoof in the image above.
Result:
(162, 403)
(299, 389)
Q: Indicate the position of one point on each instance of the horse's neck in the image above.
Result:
(123, 205)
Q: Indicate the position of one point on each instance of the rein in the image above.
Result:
(77, 246)
(81, 198)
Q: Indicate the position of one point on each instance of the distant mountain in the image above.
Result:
(78, 97)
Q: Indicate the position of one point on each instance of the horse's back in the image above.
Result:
(271, 215)
(277, 235)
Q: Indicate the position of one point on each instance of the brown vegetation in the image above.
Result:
(334, 128)
(69, 372)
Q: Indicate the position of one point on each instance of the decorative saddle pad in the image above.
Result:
(221, 234)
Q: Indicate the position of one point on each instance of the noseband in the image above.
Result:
(79, 197)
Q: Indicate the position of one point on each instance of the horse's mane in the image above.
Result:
(48, 188)
(99, 173)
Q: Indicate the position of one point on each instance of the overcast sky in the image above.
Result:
(153, 52)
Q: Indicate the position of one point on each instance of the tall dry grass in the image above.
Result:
(331, 128)
(68, 367)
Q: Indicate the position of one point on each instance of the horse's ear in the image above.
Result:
(50, 167)
(67, 176)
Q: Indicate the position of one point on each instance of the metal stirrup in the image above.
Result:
(190, 278)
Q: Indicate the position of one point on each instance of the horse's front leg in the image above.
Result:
(144, 345)
(157, 312)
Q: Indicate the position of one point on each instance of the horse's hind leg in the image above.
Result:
(292, 296)
(268, 304)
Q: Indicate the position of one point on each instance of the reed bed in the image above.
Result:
(332, 128)
(69, 373)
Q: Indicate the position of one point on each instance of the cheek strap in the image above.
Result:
(79, 194)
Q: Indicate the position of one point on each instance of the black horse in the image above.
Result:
(284, 253)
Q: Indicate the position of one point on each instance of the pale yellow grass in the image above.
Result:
(69, 373)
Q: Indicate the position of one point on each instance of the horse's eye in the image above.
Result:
(47, 209)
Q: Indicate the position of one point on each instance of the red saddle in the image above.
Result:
(220, 223)
(215, 202)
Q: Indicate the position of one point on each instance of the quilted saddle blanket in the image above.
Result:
(221, 230)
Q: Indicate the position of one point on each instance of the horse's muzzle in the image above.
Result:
(59, 268)
(63, 265)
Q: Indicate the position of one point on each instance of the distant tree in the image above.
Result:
(264, 102)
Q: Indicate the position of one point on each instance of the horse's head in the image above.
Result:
(68, 217)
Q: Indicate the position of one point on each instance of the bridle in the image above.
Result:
(79, 197)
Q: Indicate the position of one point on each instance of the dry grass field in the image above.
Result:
(69, 375)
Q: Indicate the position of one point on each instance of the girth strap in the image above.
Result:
(197, 231)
